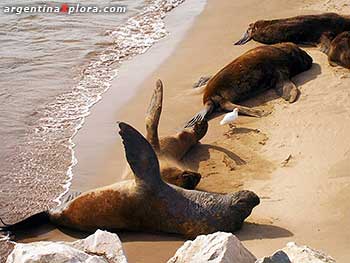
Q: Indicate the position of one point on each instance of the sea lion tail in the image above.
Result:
(245, 38)
(28, 223)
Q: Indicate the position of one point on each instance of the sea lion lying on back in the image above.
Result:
(306, 29)
(171, 149)
(147, 203)
(337, 47)
(259, 69)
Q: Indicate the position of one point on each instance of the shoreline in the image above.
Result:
(304, 201)
(91, 151)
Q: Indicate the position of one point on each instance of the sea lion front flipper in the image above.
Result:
(229, 106)
(287, 90)
(153, 116)
(325, 42)
(141, 157)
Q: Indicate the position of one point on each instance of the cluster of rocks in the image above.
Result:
(103, 247)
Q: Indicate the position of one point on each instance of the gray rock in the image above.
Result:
(219, 247)
(277, 257)
(293, 253)
(304, 254)
(101, 247)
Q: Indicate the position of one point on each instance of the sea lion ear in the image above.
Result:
(153, 116)
(140, 155)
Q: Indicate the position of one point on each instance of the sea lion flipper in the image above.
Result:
(201, 115)
(153, 116)
(140, 155)
(287, 90)
(229, 106)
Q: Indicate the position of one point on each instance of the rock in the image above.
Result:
(201, 82)
(278, 257)
(219, 247)
(101, 247)
(304, 254)
(293, 253)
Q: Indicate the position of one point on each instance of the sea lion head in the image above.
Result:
(252, 29)
(182, 178)
(247, 35)
(299, 60)
(244, 201)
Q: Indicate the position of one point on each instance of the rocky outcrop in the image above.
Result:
(219, 247)
(277, 257)
(304, 254)
(293, 253)
(101, 247)
(105, 247)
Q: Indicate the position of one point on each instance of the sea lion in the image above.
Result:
(337, 47)
(147, 203)
(171, 149)
(305, 29)
(259, 69)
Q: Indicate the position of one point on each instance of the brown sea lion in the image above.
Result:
(147, 203)
(305, 29)
(171, 149)
(259, 69)
(337, 47)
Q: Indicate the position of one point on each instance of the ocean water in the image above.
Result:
(53, 69)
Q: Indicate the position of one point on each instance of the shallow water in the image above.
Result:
(53, 68)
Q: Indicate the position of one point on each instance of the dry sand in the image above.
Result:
(303, 199)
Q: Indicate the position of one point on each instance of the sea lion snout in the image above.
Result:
(245, 200)
(190, 179)
(247, 35)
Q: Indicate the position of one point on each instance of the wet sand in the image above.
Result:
(302, 200)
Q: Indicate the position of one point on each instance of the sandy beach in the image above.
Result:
(302, 200)
(297, 159)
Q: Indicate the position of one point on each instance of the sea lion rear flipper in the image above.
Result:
(140, 155)
(325, 41)
(200, 116)
(27, 223)
(229, 106)
(287, 90)
(153, 116)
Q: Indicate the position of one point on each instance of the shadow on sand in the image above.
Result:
(252, 231)
(249, 231)
(200, 153)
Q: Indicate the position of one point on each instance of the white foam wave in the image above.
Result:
(63, 117)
